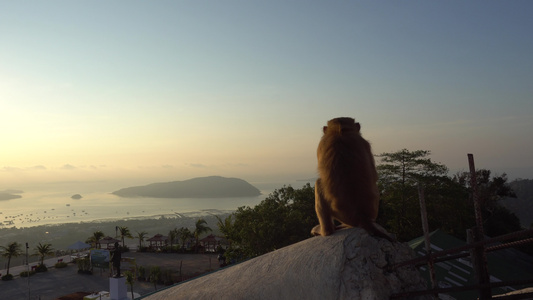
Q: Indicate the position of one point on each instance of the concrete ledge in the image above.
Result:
(349, 264)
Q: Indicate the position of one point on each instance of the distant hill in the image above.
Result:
(8, 196)
(203, 187)
(522, 205)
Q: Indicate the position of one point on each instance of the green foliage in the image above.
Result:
(233, 255)
(124, 233)
(130, 280)
(407, 168)
(225, 226)
(41, 268)
(401, 174)
(142, 272)
(285, 217)
(522, 205)
(84, 266)
(448, 201)
(11, 250)
(25, 273)
(166, 276)
(200, 228)
(155, 275)
(184, 234)
(95, 238)
(172, 236)
(141, 236)
(43, 250)
(491, 190)
(448, 207)
(500, 221)
(7, 277)
(60, 265)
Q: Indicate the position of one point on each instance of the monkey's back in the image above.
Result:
(348, 173)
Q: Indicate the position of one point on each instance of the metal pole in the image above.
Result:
(425, 227)
(479, 260)
(28, 270)
(473, 185)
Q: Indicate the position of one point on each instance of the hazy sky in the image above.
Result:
(170, 90)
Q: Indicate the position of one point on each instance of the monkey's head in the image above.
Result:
(340, 125)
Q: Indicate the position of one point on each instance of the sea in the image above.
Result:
(46, 204)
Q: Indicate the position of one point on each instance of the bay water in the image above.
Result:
(52, 204)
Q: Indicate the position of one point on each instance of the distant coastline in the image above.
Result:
(64, 234)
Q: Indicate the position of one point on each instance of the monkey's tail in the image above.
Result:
(371, 228)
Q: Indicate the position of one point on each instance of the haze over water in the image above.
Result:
(52, 204)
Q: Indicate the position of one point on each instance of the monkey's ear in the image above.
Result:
(357, 127)
(324, 129)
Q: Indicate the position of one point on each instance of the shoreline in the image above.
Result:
(129, 218)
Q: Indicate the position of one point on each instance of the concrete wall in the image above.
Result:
(347, 265)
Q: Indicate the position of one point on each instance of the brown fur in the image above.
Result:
(347, 188)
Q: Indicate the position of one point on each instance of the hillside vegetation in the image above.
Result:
(522, 205)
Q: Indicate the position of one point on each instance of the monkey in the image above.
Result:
(346, 189)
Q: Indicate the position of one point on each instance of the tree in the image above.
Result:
(95, 238)
(172, 234)
(400, 174)
(124, 233)
(155, 275)
(184, 234)
(11, 250)
(285, 217)
(141, 236)
(225, 226)
(43, 250)
(130, 280)
(200, 228)
(497, 219)
(408, 168)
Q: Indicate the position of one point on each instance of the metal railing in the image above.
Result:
(522, 237)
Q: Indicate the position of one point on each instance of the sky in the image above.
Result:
(152, 91)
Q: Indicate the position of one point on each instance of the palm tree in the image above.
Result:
(200, 228)
(95, 238)
(124, 232)
(141, 236)
(184, 234)
(172, 234)
(225, 226)
(11, 250)
(43, 250)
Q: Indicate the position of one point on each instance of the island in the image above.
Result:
(76, 196)
(201, 187)
(8, 196)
